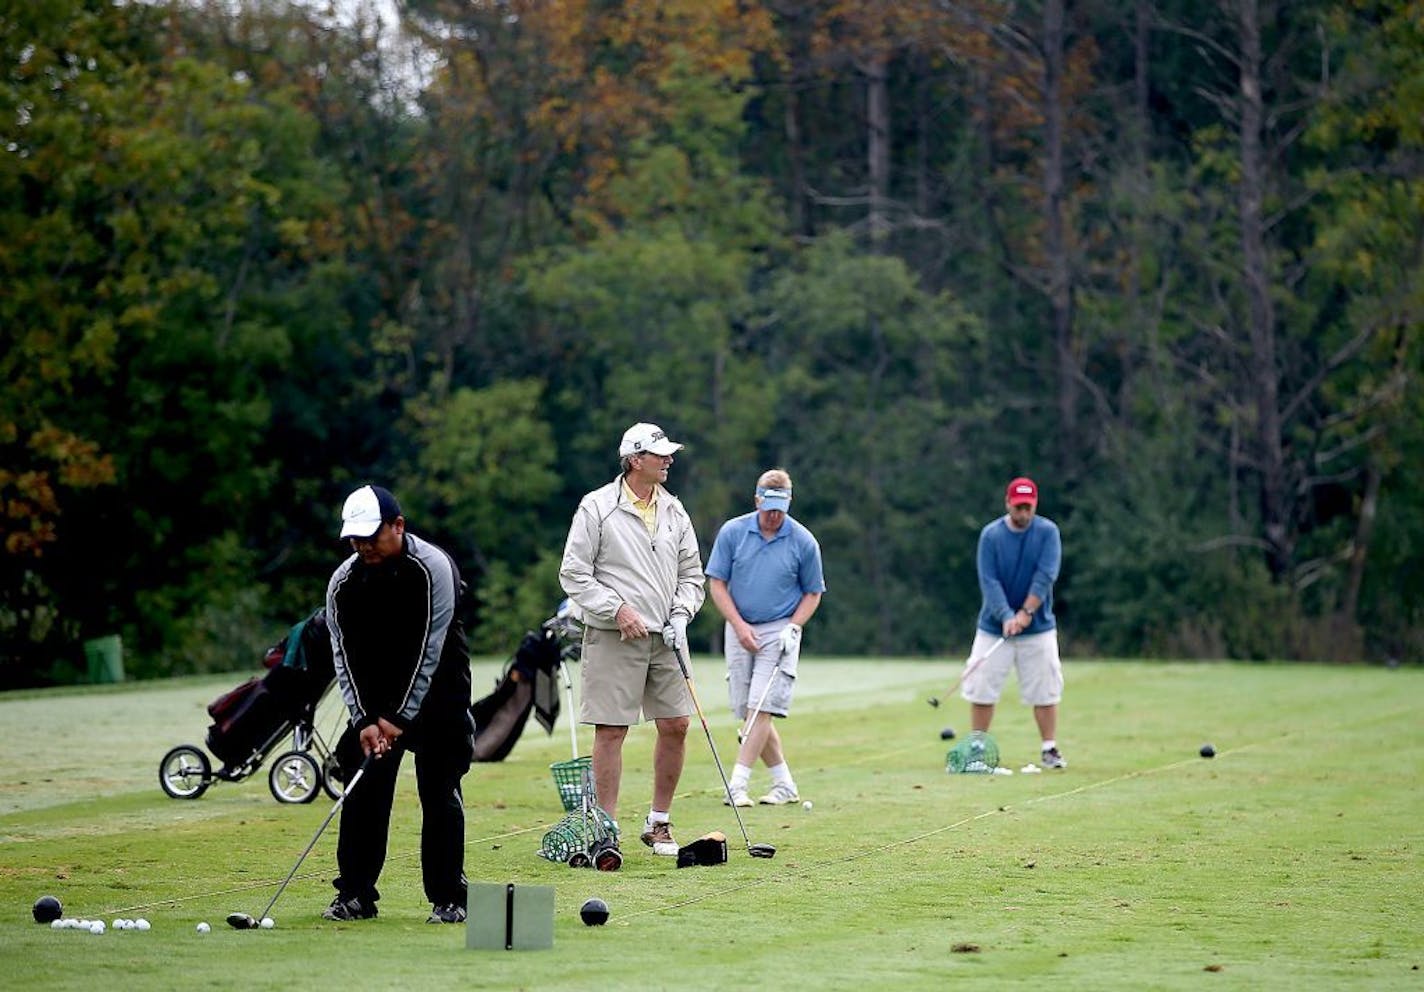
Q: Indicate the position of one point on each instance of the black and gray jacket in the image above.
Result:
(397, 641)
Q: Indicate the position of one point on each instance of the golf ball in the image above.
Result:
(140, 924)
(806, 805)
(58, 925)
(97, 926)
(267, 923)
(203, 928)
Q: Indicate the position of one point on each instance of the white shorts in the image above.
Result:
(748, 674)
(1033, 656)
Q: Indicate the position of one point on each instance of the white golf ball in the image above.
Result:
(806, 805)
(97, 926)
(58, 925)
(203, 928)
(267, 923)
(120, 924)
(140, 924)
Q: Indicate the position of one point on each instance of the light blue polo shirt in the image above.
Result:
(766, 578)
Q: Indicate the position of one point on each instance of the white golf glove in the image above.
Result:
(790, 638)
(675, 633)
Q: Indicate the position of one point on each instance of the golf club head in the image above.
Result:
(761, 850)
(241, 921)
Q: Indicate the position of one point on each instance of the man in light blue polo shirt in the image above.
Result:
(765, 576)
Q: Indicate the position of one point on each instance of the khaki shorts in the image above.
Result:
(1033, 656)
(621, 677)
(748, 674)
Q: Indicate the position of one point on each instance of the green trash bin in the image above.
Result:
(105, 656)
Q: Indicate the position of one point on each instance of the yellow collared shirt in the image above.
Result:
(647, 509)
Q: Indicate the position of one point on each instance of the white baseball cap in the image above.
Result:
(366, 509)
(642, 438)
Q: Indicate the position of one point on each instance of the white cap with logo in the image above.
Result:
(642, 438)
(366, 509)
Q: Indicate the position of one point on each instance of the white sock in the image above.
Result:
(1049, 744)
(781, 775)
(741, 777)
(657, 816)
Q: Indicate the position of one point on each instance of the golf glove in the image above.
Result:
(790, 638)
(675, 633)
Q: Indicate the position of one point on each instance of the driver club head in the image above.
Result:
(241, 921)
(761, 850)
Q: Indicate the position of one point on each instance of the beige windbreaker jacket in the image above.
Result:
(611, 559)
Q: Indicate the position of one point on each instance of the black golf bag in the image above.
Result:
(527, 686)
(248, 718)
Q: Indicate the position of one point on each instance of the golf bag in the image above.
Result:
(526, 686)
(300, 672)
(251, 721)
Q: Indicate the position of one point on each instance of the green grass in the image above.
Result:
(1292, 860)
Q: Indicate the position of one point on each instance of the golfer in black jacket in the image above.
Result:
(404, 671)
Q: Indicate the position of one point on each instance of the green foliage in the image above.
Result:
(877, 385)
(481, 478)
(249, 262)
(655, 325)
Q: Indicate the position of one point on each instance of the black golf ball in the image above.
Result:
(47, 909)
(947, 734)
(594, 912)
(1207, 751)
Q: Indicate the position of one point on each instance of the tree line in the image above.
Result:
(1162, 257)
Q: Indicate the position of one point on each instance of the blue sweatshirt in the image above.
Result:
(1013, 564)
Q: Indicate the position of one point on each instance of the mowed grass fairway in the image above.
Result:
(1291, 860)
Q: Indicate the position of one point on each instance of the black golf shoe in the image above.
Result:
(448, 912)
(349, 908)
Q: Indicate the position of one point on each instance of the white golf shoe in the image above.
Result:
(780, 795)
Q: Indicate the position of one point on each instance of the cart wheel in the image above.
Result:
(579, 860)
(185, 772)
(294, 778)
(608, 859)
(333, 779)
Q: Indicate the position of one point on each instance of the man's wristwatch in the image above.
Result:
(1026, 612)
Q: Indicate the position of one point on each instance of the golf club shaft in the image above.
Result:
(973, 664)
(726, 786)
(751, 715)
(573, 723)
(319, 830)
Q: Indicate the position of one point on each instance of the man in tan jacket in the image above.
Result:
(633, 571)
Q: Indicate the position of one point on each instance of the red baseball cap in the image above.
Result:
(1022, 490)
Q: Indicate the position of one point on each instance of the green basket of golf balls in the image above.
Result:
(977, 754)
(572, 778)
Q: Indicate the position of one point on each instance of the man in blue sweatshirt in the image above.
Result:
(1019, 556)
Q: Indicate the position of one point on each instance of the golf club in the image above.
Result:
(969, 669)
(755, 850)
(751, 714)
(243, 921)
